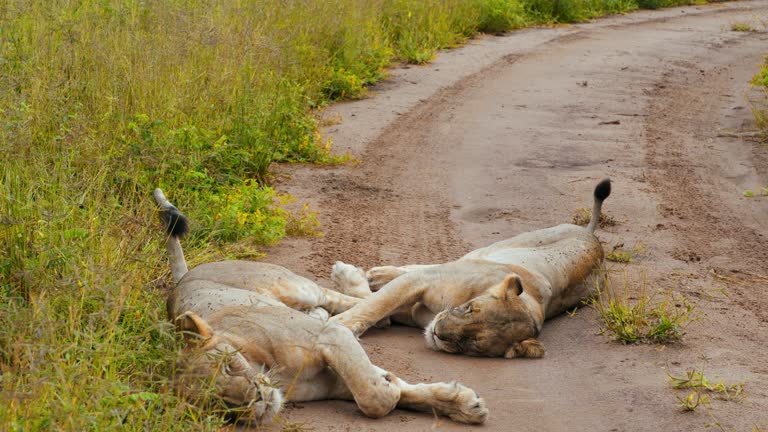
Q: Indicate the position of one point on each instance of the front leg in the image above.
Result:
(402, 291)
(380, 276)
(336, 302)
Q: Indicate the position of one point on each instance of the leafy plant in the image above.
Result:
(582, 216)
(621, 255)
(701, 387)
(304, 222)
(694, 400)
(631, 315)
(741, 27)
(500, 15)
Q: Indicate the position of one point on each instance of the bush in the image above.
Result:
(631, 315)
(500, 15)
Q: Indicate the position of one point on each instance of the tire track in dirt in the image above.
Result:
(392, 207)
(684, 172)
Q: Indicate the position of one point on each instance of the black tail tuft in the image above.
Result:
(176, 224)
(603, 190)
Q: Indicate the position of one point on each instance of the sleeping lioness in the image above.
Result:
(490, 302)
(248, 340)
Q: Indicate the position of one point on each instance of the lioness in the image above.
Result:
(258, 352)
(490, 302)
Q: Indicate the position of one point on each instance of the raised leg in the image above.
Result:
(380, 276)
(399, 294)
(350, 280)
(336, 302)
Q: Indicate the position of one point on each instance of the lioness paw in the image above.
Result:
(350, 280)
(530, 348)
(380, 276)
(462, 404)
(265, 402)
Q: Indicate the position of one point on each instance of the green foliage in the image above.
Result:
(760, 106)
(619, 254)
(700, 387)
(304, 222)
(582, 216)
(500, 15)
(417, 29)
(741, 27)
(631, 315)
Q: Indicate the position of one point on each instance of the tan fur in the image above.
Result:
(492, 301)
(258, 352)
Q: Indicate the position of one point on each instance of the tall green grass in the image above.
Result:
(103, 100)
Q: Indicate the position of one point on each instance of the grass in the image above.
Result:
(742, 27)
(582, 216)
(755, 23)
(759, 104)
(621, 255)
(631, 313)
(104, 100)
(701, 387)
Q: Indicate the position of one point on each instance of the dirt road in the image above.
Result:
(510, 134)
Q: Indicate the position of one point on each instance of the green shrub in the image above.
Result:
(629, 314)
(500, 15)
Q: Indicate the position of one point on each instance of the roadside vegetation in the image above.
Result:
(760, 106)
(101, 101)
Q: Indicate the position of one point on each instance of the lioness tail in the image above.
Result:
(602, 191)
(176, 225)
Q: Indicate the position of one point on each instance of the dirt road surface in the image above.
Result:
(510, 134)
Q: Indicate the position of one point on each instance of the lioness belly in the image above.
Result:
(567, 262)
(268, 279)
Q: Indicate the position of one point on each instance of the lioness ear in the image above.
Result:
(530, 348)
(511, 287)
(190, 322)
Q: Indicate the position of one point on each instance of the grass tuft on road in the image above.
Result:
(632, 312)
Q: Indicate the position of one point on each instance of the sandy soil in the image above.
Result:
(510, 134)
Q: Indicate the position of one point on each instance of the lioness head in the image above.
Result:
(213, 372)
(496, 323)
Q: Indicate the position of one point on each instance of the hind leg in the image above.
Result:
(377, 392)
(454, 400)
